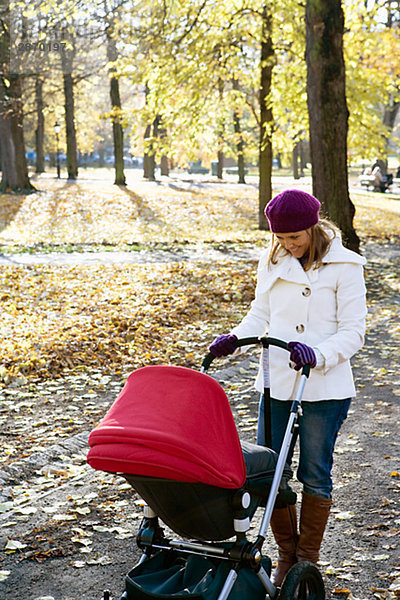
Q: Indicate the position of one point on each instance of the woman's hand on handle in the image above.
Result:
(301, 355)
(224, 345)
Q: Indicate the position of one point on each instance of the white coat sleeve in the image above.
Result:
(351, 313)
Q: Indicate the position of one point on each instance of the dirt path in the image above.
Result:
(179, 253)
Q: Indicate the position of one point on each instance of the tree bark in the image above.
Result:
(295, 161)
(162, 134)
(69, 106)
(101, 155)
(149, 160)
(392, 109)
(164, 165)
(220, 164)
(14, 167)
(239, 138)
(266, 118)
(389, 119)
(328, 114)
(303, 161)
(118, 132)
(12, 145)
(221, 133)
(39, 133)
(390, 114)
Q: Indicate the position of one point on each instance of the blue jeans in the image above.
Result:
(318, 429)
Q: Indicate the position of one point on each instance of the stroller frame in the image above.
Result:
(303, 581)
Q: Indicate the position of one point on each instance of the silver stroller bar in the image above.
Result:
(295, 411)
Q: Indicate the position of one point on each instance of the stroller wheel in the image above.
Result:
(303, 582)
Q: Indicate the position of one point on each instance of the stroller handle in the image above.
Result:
(252, 341)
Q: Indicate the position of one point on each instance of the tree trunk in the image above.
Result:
(164, 166)
(239, 138)
(162, 134)
(118, 133)
(164, 162)
(390, 114)
(72, 162)
(220, 164)
(14, 167)
(39, 133)
(221, 133)
(303, 161)
(239, 147)
(328, 114)
(101, 155)
(149, 161)
(12, 145)
(266, 119)
(392, 109)
(389, 119)
(295, 161)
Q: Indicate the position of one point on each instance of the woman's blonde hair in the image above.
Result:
(321, 236)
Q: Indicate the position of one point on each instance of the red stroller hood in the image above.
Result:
(172, 423)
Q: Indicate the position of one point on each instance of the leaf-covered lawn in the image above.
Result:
(116, 317)
(57, 318)
(100, 213)
(377, 216)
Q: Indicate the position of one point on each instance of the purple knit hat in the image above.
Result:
(292, 210)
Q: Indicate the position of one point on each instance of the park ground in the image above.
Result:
(99, 280)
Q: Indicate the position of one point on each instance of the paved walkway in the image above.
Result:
(190, 253)
(371, 249)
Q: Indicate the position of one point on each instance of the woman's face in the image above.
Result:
(296, 243)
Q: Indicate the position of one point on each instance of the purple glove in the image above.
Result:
(223, 345)
(301, 355)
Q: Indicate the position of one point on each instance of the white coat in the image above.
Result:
(324, 308)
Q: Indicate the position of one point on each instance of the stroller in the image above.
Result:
(172, 436)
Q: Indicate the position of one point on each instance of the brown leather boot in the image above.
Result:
(284, 528)
(313, 518)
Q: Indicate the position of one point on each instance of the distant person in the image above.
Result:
(379, 163)
(379, 183)
(375, 164)
(382, 180)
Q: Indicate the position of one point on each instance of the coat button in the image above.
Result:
(306, 292)
(300, 328)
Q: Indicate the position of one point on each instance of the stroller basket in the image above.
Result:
(174, 575)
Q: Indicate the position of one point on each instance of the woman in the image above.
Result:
(310, 290)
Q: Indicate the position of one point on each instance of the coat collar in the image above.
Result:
(290, 269)
(337, 253)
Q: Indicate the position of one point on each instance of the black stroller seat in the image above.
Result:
(205, 512)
